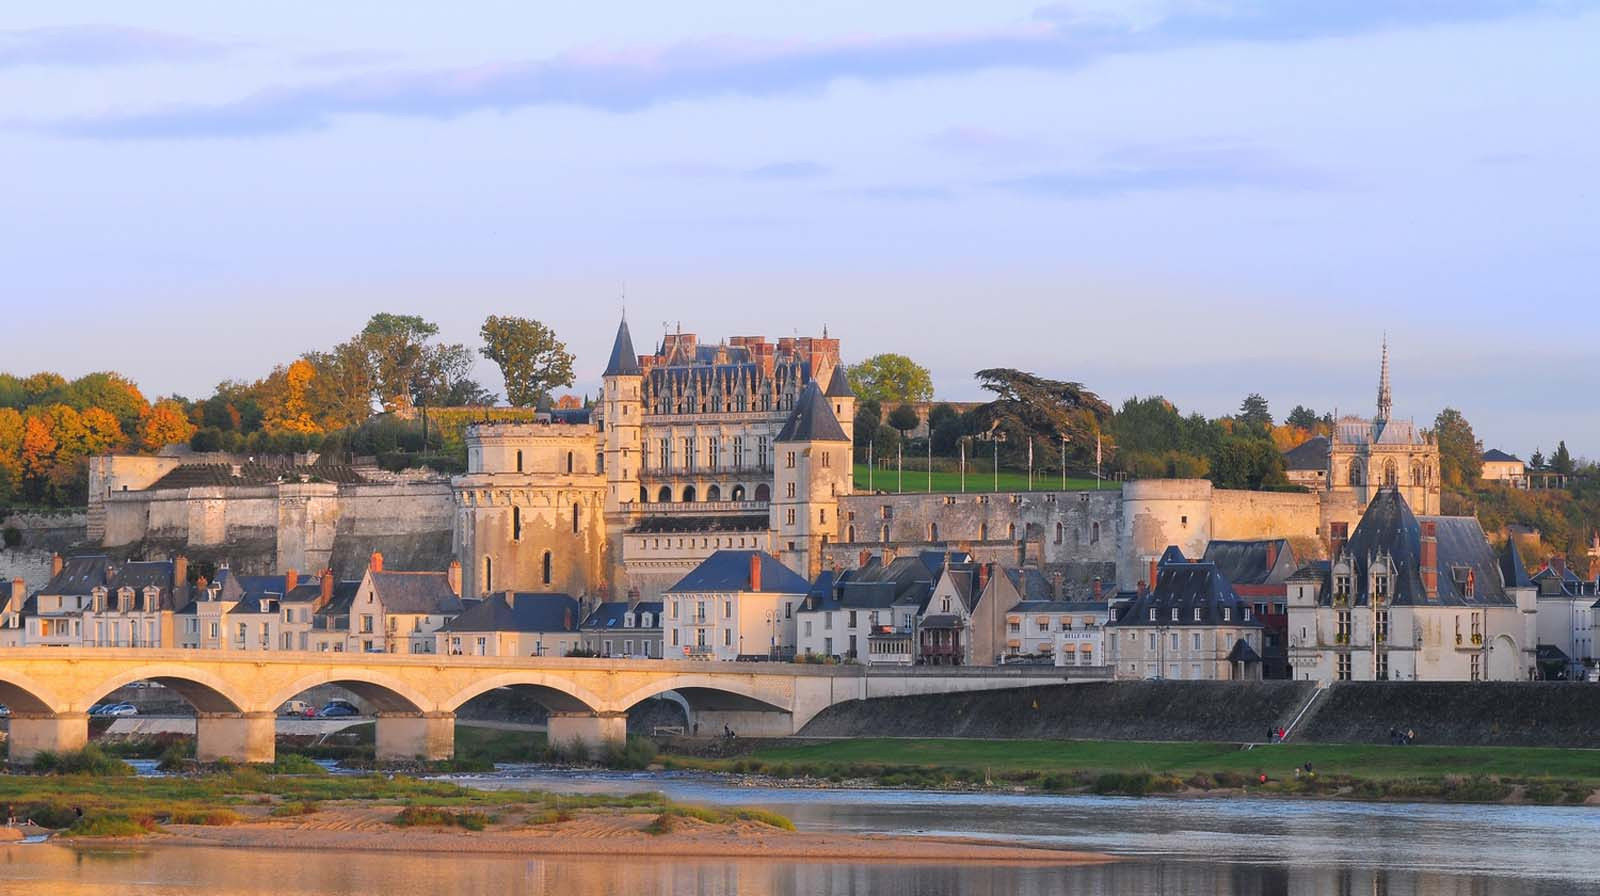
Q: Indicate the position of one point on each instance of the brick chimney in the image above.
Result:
(55, 565)
(1097, 592)
(180, 571)
(983, 577)
(376, 563)
(866, 557)
(1430, 559)
(755, 571)
(19, 594)
(1154, 566)
(1272, 554)
(290, 579)
(1055, 585)
(326, 594)
(1338, 537)
(1558, 565)
(453, 576)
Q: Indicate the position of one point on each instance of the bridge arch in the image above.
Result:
(21, 694)
(705, 692)
(206, 692)
(556, 692)
(385, 693)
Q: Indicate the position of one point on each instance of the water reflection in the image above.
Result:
(170, 871)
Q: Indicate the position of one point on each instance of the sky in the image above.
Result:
(1192, 198)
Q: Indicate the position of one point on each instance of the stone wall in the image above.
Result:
(1526, 713)
(43, 534)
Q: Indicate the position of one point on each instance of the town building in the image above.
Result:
(513, 623)
(1498, 466)
(620, 629)
(1566, 619)
(734, 605)
(1048, 626)
(1408, 598)
(1259, 572)
(1189, 625)
(868, 614)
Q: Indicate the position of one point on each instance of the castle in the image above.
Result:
(744, 445)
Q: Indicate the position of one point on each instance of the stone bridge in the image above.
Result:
(237, 695)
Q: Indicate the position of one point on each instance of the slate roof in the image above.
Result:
(624, 360)
(1245, 562)
(610, 616)
(1512, 572)
(260, 472)
(79, 575)
(1312, 454)
(729, 571)
(142, 574)
(1187, 585)
(812, 420)
(525, 612)
(1565, 583)
(839, 384)
(905, 581)
(1388, 526)
(1242, 652)
(1496, 456)
(1352, 430)
(418, 593)
(1059, 606)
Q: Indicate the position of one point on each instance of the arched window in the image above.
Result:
(516, 524)
(488, 575)
(1416, 475)
(714, 493)
(574, 518)
(547, 567)
(1391, 475)
(644, 495)
(933, 531)
(569, 461)
(737, 494)
(850, 534)
(983, 531)
(1059, 530)
(688, 493)
(665, 495)
(1011, 531)
(519, 460)
(1094, 533)
(1355, 472)
(763, 493)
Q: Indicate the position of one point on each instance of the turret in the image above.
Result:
(623, 414)
(843, 400)
(812, 469)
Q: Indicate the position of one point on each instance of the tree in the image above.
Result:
(1460, 462)
(1537, 461)
(1561, 460)
(1247, 461)
(111, 392)
(869, 416)
(286, 400)
(532, 360)
(340, 395)
(444, 379)
(38, 457)
(394, 348)
(1253, 411)
(102, 432)
(10, 453)
(1030, 408)
(904, 419)
(890, 379)
(1303, 417)
(166, 424)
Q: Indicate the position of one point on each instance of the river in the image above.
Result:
(1250, 847)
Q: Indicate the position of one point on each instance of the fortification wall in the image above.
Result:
(1247, 515)
(412, 523)
(1483, 713)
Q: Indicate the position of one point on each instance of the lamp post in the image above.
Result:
(1064, 441)
(995, 435)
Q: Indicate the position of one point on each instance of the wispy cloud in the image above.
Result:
(1193, 165)
(1059, 38)
(97, 45)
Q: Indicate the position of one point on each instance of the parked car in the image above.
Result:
(4, 710)
(338, 709)
(298, 708)
(121, 709)
(99, 709)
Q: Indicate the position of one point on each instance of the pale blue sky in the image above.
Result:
(1193, 197)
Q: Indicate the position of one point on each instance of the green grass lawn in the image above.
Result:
(1372, 762)
(980, 478)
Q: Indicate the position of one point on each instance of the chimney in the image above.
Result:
(327, 590)
(1558, 565)
(376, 563)
(290, 579)
(755, 571)
(453, 576)
(1097, 588)
(866, 557)
(1139, 588)
(511, 599)
(180, 571)
(1154, 566)
(19, 593)
(1430, 559)
(1272, 555)
(1055, 585)
(55, 565)
(983, 577)
(1338, 537)
(566, 619)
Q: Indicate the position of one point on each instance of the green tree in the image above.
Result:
(1253, 411)
(111, 392)
(1460, 461)
(532, 360)
(340, 395)
(1537, 461)
(890, 379)
(1561, 460)
(1031, 408)
(444, 378)
(904, 419)
(869, 416)
(1247, 461)
(1303, 417)
(394, 345)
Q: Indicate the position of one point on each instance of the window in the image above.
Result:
(1381, 667)
(1044, 625)
(1382, 626)
(789, 489)
(1196, 614)
(1059, 530)
(788, 460)
(519, 461)
(1094, 533)
(516, 524)
(1227, 614)
(1343, 672)
(546, 567)
(825, 461)
(569, 462)
(727, 637)
(727, 609)
(1343, 635)
(1152, 641)
(366, 625)
(789, 518)
(1355, 472)
(1196, 640)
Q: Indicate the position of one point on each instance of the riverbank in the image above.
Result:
(1332, 771)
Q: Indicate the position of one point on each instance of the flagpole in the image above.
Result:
(899, 467)
(1096, 461)
(930, 460)
(869, 462)
(963, 443)
(1030, 463)
(1063, 463)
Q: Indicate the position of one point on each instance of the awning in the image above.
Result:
(1047, 647)
(1242, 652)
(1014, 644)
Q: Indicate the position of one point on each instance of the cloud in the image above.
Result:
(787, 171)
(1193, 165)
(905, 193)
(1059, 38)
(97, 45)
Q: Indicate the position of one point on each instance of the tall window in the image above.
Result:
(519, 461)
(788, 460)
(569, 461)
(1391, 476)
(738, 451)
(516, 524)
(488, 575)
(762, 457)
(546, 565)
(714, 452)
(574, 518)
(1355, 472)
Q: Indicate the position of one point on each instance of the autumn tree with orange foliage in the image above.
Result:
(166, 424)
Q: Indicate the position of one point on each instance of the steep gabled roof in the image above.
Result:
(1389, 527)
(729, 571)
(1187, 586)
(524, 612)
(416, 593)
(79, 575)
(624, 361)
(839, 384)
(1312, 454)
(1246, 562)
(812, 420)
(1512, 572)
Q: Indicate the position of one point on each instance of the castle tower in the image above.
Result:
(623, 412)
(812, 471)
(843, 400)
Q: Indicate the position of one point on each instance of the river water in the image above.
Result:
(1250, 847)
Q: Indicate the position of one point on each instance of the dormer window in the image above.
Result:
(1152, 614)
(1341, 586)
(1380, 586)
(627, 621)
(1247, 614)
(1227, 614)
(1196, 614)
(1174, 614)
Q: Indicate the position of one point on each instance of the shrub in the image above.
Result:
(294, 809)
(91, 760)
(110, 825)
(1136, 783)
(48, 815)
(293, 764)
(665, 823)
(547, 816)
(12, 536)
(177, 755)
(633, 753)
(214, 817)
(435, 816)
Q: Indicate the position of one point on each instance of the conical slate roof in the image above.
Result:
(624, 362)
(812, 420)
(839, 384)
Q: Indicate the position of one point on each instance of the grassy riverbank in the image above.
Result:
(1480, 774)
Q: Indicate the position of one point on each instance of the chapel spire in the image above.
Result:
(1385, 401)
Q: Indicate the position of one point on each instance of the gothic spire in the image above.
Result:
(1384, 398)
